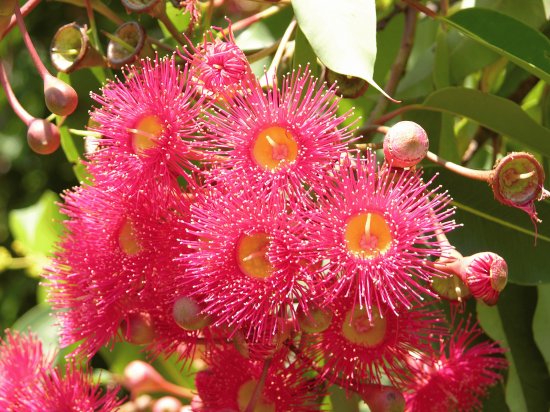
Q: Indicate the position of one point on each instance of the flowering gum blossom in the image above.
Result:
(145, 134)
(251, 257)
(246, 390)
(360, 330)
(274, 147)
(368, 235)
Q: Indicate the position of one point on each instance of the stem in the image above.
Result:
(272, 71)
(208, 15)
(398, 67)
(369, 146)
(172, 29)
(10, 96)
(259, 387)
(244, 23)
(93, 26)
(254, 57)
(42, 70)
(388, 116)
(25, 10)
(98, 6)
(420, 7)
(177, 390)
(483, 175)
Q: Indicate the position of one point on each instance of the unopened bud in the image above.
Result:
(188, 314)
(381, 398)
(517, 181)
(140, 377)
(349, 87)
(486, 275)
(43, 137)
(71, 49)
(60, 98)
(167, 404)
(405, 144)
(315, 320)
(138, 328)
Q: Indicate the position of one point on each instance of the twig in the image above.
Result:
(400, 63)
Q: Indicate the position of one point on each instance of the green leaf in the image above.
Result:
(491, 226)
(514, 317)
(342, 34)
(541, 322)
(507, 36)
(304, 54)
(37, 227)
(496, 113)
(39, 320)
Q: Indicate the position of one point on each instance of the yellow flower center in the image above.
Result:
(251, 255)
(145, 133)
(368, 235)
(244, 395)
(274, 148)
(127, 239)
(358, 329)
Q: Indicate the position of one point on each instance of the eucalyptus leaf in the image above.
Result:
(496, 113)
(37, 227)
(342, 34)
(507, 36)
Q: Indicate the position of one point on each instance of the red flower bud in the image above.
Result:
(43, 137)
(61, 98)
(405, 144)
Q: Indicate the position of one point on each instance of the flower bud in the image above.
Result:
(315, 320)
(138, 328)
(381, 398)
(140, 377)
(485, 274)
(43, 137)
(167, 404)
(517, 181)
(349, 87)
(152, 7)
(61, 98)
(188, 314)
(405, 144)
(71, 49)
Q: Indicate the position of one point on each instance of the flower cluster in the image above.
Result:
(221, 213)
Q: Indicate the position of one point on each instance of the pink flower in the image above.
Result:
(148, 124)
(458, 376)
(230, 380)
(111, 264)
(375, 231)
(239, 262)
(355, 350)
(21, 363)
(219, 68)
(29, 382)
(285, 138)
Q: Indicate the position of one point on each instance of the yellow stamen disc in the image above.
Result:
(251, 250)
(127, 239)
(244, 395)
(274, 147)
(358, 329)
(146, 131)
(368, 235)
